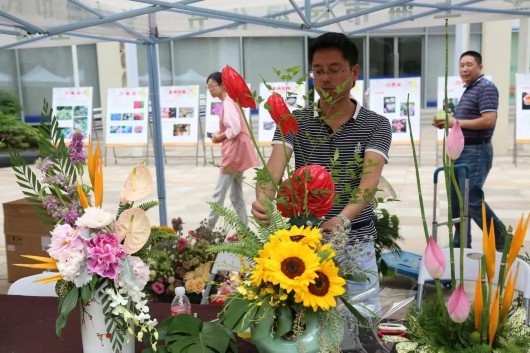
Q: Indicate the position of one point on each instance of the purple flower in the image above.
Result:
(71, 215)
(43, 164)
(104, 255)
(77, 154)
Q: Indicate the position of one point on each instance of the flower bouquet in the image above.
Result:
(180, 260)
(93, 251)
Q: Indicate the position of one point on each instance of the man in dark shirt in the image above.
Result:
(477, 113)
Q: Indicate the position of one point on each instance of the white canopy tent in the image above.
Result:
(34, 23)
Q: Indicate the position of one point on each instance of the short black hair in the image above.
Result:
(216, 76)
(476, 55)
(335, 41)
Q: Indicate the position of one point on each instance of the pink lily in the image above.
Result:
(434, 259)
(454, 143)
(458, 305)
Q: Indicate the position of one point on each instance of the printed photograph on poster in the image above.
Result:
(169, 113)
(389, 105)
(215, 108)
(181, 129)
(138, 116)
(138, 129)
(186, 112)
(138, 104)
(81, 123)
(269, 125)
(399, 125)
(80, 110)
(115, 117)
(403, 109)
(127, 116)
(453, 102)
(291, 101)
(64, 113)
(66, 132)
(526, 101)
(121, 129)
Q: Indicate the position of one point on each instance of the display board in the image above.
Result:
(127, 118)
(388, 97)
(522, 107)
(179, 107)
(357, 92)
(293, 94)
(211, 124)
(73, 109)
(455, 89)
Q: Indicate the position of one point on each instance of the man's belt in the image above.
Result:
(476, 141)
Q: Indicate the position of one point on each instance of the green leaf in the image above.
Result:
(285, 321)
(66, 305)
(233, 312)
(355, 312)
(263, 327)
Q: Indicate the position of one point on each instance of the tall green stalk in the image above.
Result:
(418, 183)
(447, 169)
(462, 224)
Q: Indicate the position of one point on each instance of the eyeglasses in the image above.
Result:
(332, 72)
(212, 86)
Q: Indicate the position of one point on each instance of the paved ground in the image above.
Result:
(189, 187)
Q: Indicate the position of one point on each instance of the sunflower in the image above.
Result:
(291, 265)
(322, 292)
(258, 272)
(305, 235)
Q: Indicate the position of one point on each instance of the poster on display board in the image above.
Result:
(455, 89)
(357, 92)
(73, 109)
(127, 119)
(522, 107)
(179, 107)
(211, 124)
(388, 97)
(292, 92)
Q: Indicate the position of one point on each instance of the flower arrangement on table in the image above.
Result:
(180, 260)
(290, 279)
(93, 251)
(492, 323)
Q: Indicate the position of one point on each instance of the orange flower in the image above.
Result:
(98, 182)
(488, 244)
(494, 317)
(82, 197)
(479, 304)
(508, 294)
(237, 88)
(281, 114)
(517, 242)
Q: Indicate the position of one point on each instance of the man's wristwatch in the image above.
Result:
(346, 223)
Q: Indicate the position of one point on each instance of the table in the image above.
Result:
(27, 324)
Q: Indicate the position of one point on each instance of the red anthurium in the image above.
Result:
(281, 114)
(310, 191)
(237, 88)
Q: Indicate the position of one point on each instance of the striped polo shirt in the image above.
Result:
(479, 97)
(316, 143)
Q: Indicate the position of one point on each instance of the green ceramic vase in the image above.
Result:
(310, 338)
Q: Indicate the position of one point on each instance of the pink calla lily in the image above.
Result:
(458, 305)
(237, 88)
(454, 143)
(434, 259)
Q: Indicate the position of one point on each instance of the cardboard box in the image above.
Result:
(25, 234)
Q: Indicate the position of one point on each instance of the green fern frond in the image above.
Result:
(122, 207)
(148, 205)
(26, 178)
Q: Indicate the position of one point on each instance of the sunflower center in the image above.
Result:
(293, 267)
(297, 238)
(321, 285)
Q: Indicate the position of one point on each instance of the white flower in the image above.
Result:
(95, 218)
(69, 262)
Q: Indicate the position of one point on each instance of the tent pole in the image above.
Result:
(154, 93)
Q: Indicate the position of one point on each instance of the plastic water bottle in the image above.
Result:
(180, 304)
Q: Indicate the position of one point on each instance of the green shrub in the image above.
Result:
(17, 134)
(9, 104)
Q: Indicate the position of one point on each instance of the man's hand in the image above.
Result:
(258, 211)
(440, 123)
(331, 223)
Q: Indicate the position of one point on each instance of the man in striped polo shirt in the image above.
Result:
(361, 137)
(477, 113)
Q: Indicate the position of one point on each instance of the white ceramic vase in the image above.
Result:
(94, 334)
